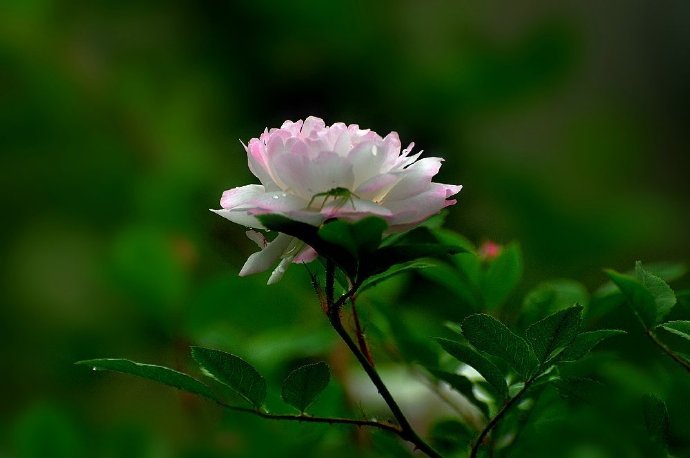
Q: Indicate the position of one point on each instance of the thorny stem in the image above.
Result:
(406, 431)
(360, 335)
(498, 417)
(667, 350)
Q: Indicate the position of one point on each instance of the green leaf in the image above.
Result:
(656, 417)
(363, 236)
(393, 271)
(663, 295)
(304, 384)
(551, 296)
(585, 342)
(489, 335)
(679, 328)
(555, 332)
(640, 299)
(391, 255)
(232, 371)
(468, 355)
(502, 276)
(159, 374)
(462, 385)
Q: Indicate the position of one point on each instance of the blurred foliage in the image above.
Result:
(566, 123)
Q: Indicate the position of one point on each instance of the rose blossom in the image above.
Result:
(311, 173)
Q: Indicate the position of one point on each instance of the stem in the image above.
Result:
(360, 335)
(304, 418)
(405, 431)
(498, 417)
(668, 351)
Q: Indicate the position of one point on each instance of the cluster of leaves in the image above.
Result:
(501, 356)
(502, 372)
(224, 370)
(652, 300)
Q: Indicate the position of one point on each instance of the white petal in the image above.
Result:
(239, 217)
(264, 259)
(241, 196)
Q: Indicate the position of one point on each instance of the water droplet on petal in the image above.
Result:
(276, 197)
(374, 150)
(284, 195)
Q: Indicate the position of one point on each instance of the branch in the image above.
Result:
(667, 350)
(406, 431)
(498, 417)
(304, 418)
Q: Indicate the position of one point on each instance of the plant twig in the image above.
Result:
(685, 364)
(305, 418)
(498, 417)
(406, 431)
(361, 340)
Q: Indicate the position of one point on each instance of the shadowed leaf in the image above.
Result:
(554, 332)
(468, 355)
(233, 372)
(159, 374)
(663, 295)
(679, 328)
(489, 335)
(304, 384)
(585, 342)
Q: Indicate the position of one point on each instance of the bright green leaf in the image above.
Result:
(554, 332)
(502, 276)
(585, 342)
(679, 328)
(468, 355)
(489, 335)
(233, 372)
(304, 384)
(656, 417)
(159, 374)
(462, 385)
(663, 295)
(640, 299)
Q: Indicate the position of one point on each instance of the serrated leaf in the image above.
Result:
(232, 371)
(392, 272)
(468, 355)
(304, 384)
(640, 299)
(462, 385)
(664, 297)
(656, 417)
(554, 332)
(502, 276)
(585, 342)
(489, 335)
(160, 374)
(679, 328)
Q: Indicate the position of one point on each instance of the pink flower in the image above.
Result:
(311, 172)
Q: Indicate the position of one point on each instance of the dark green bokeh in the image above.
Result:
(566, 123)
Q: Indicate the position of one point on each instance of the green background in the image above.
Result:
(566, 123)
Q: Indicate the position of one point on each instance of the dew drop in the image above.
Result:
(284, 195)
(94, 368)
(276, 197)
(374, 150)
